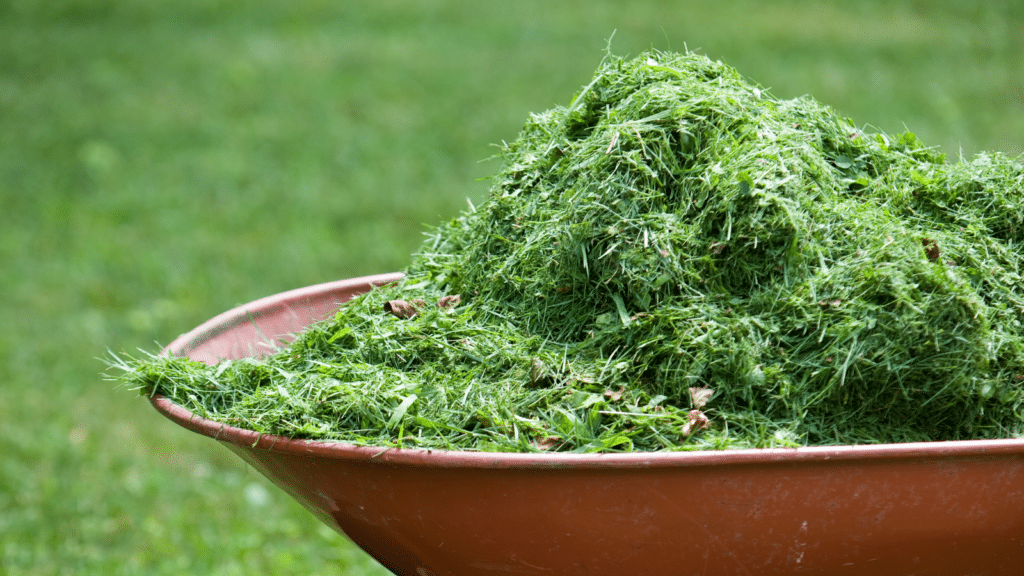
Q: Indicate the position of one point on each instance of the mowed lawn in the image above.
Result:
(163, 161)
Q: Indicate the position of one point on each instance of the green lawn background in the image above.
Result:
(162, 161)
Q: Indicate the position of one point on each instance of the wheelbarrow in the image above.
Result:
(949, 508)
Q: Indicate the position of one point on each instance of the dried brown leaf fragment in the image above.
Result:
(450, 301)
(404, 308)
(547, 442)
(700, 396)
(614, 396)
(931, 248)
(696, 422)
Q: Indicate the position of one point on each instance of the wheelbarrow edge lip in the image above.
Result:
(958, 449)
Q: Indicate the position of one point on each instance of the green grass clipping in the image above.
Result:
(674, 260)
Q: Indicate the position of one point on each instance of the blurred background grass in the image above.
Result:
(163, 161)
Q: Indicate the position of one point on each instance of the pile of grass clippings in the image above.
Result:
(676, 260)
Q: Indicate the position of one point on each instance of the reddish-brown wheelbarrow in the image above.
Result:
(950, 508)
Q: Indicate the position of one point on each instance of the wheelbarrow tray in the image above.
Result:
(900, 509)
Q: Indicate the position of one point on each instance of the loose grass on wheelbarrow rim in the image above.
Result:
(675, 260)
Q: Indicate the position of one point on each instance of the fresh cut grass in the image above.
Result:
(673, 260)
